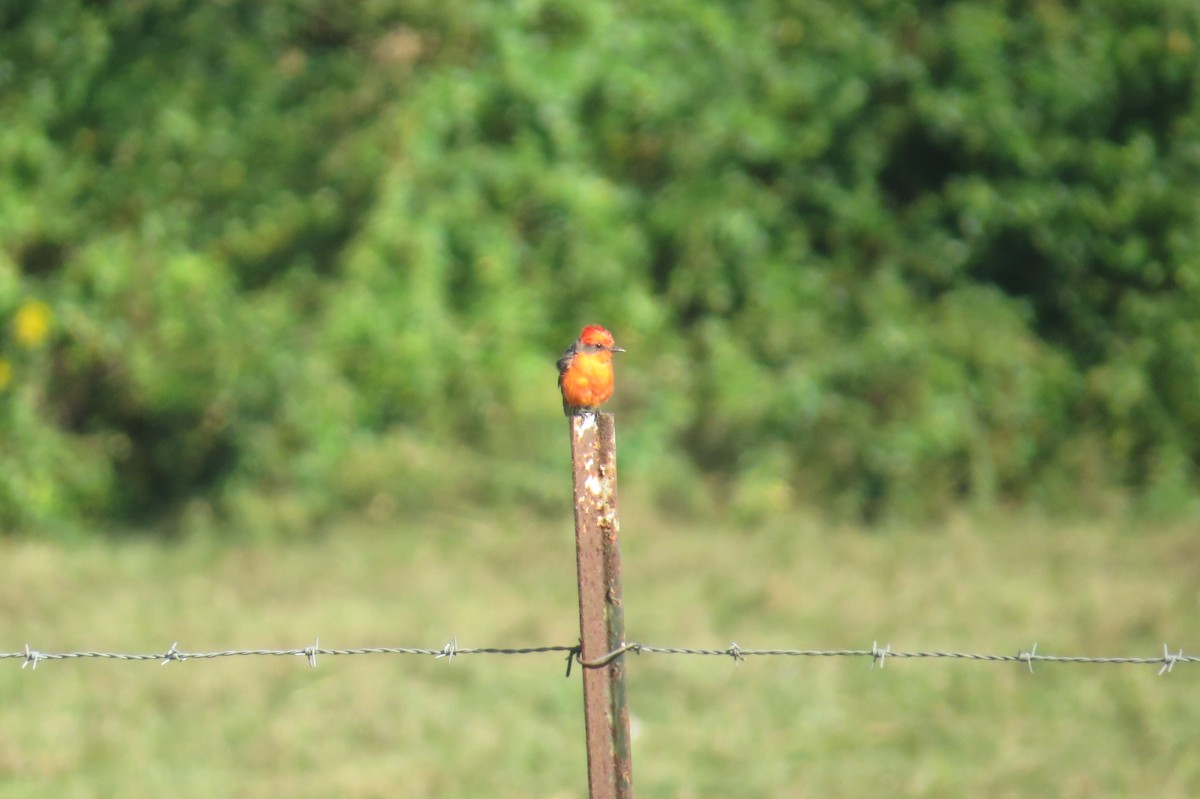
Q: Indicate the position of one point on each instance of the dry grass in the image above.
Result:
(511, 727)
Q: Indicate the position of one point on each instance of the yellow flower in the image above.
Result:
(5, 374)
(32, 323)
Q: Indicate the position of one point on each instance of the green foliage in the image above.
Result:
(879, 259)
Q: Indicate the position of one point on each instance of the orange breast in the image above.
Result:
(588, 382)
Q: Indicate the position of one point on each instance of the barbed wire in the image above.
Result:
(878, 655)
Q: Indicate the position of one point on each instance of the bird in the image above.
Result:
(585, 371)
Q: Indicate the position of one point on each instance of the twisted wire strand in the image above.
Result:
(1167, 660)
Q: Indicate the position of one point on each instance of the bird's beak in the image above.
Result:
(618, 349)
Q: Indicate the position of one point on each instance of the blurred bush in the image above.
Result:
(280, 260)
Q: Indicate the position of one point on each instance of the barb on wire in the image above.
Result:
(310, 652)
(449, 650)
(172, 654)
(32, 656)
(1169, 660)
(1028, 657)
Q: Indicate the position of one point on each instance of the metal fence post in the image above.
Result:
(601, 612)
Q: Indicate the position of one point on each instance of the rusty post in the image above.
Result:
(601, 613)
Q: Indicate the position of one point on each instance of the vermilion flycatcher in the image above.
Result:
(585, 371)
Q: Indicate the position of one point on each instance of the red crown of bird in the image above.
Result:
(596, 335)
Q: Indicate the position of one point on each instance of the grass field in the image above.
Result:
(376, 726)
